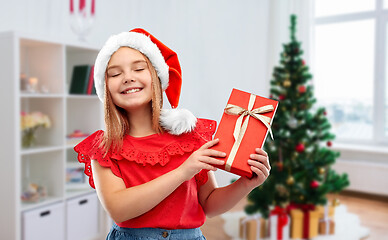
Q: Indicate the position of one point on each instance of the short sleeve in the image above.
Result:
(205, 128)
(202, 177)
(90, 149)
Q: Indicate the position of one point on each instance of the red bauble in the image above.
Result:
(329, 143)
(279, 165)
(282, 97)
(314, 184)
(299, 148)
(270, 96)
(303, 62)
(302, 89)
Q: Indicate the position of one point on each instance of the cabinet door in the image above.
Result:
(44, 223)
(82, 217)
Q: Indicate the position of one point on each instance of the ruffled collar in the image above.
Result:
(153, 149)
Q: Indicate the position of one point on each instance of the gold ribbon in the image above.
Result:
(241, 127)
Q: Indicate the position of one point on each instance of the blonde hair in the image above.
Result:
(116, 119)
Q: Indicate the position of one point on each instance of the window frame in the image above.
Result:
(380, 15)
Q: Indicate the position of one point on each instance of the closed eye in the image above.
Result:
(140, 69)
(115, 75)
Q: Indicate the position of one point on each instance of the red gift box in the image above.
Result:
(244, 126)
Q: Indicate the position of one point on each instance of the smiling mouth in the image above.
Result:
(131, 91)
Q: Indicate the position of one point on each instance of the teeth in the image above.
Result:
(132, 90)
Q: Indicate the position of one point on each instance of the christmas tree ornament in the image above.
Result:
(290, 180)
(329, 143)
(321, 170)
(287, 134)
(300, 148)
(314, 184)
(287, 83)
(292, 123)
(302, 89)
(279, 166)
(282, 97)
(281, 190)
(301, 197)
(303, 62)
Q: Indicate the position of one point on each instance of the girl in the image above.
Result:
(153, 168)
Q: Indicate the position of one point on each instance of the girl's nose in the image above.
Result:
(128, 78)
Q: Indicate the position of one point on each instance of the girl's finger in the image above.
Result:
(260, 166)
(261, 159)
(261, 152)
(208, 167)
(210, 160)
(209, 144)
(258, 172)
(213, 153)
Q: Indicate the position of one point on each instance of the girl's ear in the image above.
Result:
(177, 121)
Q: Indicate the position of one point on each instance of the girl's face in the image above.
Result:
(129, 79)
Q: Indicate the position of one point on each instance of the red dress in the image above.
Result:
(145, 158)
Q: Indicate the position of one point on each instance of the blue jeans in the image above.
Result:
(119, 233)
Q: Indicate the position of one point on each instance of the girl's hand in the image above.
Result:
(201, 159)
(259, 163)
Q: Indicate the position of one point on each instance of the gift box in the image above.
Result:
(304, 221)
(244, 126)
(253, 227)
(326, 220)
(279, 224)
(325, 211)
(326, 227)
(296, 223)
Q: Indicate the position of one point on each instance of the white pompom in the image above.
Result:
(177, 121)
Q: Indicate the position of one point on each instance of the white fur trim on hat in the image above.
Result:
(177, 121)
(134, 40)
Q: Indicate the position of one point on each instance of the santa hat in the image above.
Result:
(166, 63)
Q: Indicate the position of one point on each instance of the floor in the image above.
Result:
(372, 210)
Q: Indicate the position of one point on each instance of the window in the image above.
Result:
(351, 68)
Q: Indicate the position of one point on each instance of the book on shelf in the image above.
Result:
(91, 82)
(82, 81)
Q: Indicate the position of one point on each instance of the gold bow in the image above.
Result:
(240, 128)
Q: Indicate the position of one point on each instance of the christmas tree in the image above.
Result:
(300, 153)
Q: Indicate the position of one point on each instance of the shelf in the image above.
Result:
(46, 201)
(42, 149)
(51, 63)
(78, 192)
(41, 95)
(82, 96)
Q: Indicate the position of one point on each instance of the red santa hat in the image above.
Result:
(166, 63)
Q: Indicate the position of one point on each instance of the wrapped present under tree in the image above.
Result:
(253, 227)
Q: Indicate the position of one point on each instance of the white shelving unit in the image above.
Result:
(51, 62)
